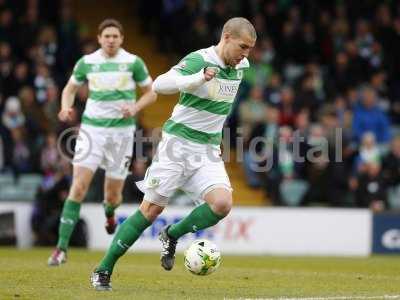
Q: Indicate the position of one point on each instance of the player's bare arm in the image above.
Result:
(148, 97)
(67, 101)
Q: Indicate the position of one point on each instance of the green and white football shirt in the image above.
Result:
(200, 113)
(112, 83)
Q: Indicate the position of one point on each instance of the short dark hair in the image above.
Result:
(110, 23)
(237, 25)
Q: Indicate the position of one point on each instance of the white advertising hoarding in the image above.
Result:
(277, 231)
(22, 212)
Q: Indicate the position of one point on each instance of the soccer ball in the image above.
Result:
(202, 257)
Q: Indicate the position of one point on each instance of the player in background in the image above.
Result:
(207, 80)
(106, 134)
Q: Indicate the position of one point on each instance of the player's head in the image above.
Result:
(238, 38)
(110, 36)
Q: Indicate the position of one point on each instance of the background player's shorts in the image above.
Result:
(108, 148)
(180, 164)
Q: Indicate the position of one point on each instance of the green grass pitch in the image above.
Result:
(25, 275)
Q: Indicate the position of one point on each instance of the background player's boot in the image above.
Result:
(101, 280)
(168, 249)
(111, 225)
(57, 258)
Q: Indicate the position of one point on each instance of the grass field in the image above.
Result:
(25, 275)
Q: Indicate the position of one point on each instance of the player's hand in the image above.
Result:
(65, 114)
(209, 73)
(129, 110)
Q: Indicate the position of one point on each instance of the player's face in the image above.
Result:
(238, 48)
(110, 40)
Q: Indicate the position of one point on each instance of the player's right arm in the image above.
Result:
(78, 77)
(67, 101)
(189, 74)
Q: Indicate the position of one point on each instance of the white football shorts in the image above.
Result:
(184, 165)
(108, 148)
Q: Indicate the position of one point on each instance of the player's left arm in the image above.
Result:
(143, 79)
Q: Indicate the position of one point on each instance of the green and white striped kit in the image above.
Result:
(200, 113)
(112, 83)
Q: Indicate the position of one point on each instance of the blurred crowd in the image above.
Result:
(323, 85)
(40, 41)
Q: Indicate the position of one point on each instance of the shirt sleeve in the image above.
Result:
(141, 73)
(79, 73)
(173, 82)
(190, 64)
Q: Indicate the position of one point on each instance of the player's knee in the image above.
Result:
(222, 205)
(150, 210)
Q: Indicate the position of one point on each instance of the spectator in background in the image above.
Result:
(198, 37)
(28, 29)
(68, 29)
(272, 91)
(12, 115)
(20, 77)
(358, 65)
(6, 61)
(36, 121)
(280, 165)
(371, 188)
(368, 153)
(266, 133)
(368, 117)
(7, 28)
(49, 155)
(287, 113)
(41, 81)
(327, 177)
(391, 164)
(52, 106)
(22, 155)
(48, 46)
(251, 111)
(259, 72)
(342, 77)
(343, 114)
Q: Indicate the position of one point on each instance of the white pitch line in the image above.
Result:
(384, 297)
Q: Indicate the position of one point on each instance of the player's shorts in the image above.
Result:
(108, 148)
(183, 165)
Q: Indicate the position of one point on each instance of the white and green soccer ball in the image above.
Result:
(202, 257)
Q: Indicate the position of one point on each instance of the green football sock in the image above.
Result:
(128, 232)
(69, 217)
(109, 209)
(201, 217)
